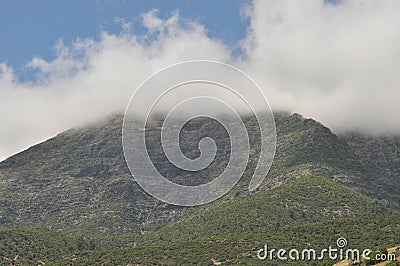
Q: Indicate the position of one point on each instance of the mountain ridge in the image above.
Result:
(78, 183)
(79, 159)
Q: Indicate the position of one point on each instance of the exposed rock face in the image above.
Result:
(79, 180)
(382, 153)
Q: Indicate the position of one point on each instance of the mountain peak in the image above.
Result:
(79, 179)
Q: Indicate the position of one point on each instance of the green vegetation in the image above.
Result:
(308, 199)
(321, 187)
(53, 248)
(36, 245)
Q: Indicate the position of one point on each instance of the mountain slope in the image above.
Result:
(305, 200)
(79, 181)
(372, 232)
(383, 153)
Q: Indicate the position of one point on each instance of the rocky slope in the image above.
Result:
(78, 183)
(383, 154)
(79, 179)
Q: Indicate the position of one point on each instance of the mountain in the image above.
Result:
(77, 180)
(78, 184)
(383, 154)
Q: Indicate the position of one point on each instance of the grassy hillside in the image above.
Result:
(307, 199)
(373, 232)
(38, 246)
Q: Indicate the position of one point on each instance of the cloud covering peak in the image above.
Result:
(338, 63)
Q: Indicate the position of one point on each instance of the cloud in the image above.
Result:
(338, 63)
(90, 79)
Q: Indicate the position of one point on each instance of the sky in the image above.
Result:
(33, 28)
(63, 63)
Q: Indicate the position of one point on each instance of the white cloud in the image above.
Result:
(337, 63)
(90, 79)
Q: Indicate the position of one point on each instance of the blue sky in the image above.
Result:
(31, 28)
